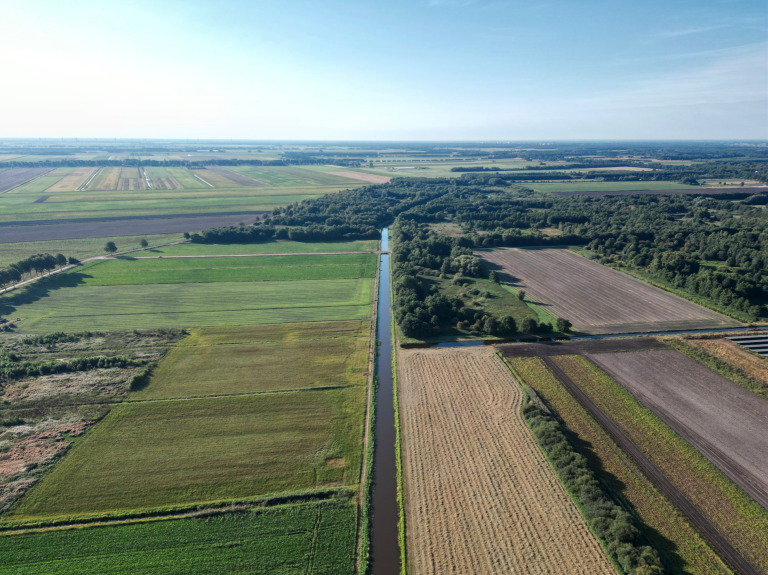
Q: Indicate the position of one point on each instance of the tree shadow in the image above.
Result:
(40, 289)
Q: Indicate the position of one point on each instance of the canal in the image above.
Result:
(385, 552)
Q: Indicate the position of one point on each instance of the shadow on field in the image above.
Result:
(40, 289)
(616, 487)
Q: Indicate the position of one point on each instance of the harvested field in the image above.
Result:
(681, 548)
(550, 348)
(107, 179)
(726, 423)
(363, 177)
(236, 177)
(708, 498)
(169, 224)
(481, 497)
(691, 190)
(16, 176)
(73, 181)
(594, 298)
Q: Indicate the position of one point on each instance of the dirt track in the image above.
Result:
(480, 496)
(726, 423)
(655, 476)
(597, 299)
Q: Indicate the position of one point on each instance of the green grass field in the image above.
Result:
(50, 306)
(79, 248)
(280, 176)
(311, 538)
(181, 175)
(131, 271)
(239, 360)
(152, 454)
(277, 247)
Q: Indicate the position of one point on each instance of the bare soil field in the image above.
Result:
(363, 177)
(167, 224)
(550, 348)
(693, 190)
(72, 182)
(727, 424)
(241, 179)
(596, 299)
(15, 176)
(732, 353)
(480, 495)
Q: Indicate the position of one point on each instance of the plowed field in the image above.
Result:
(595, 298)
(481, 497)
(726, 423)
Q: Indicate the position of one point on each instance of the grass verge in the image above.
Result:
(398, 457)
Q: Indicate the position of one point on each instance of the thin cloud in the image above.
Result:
(689, 31)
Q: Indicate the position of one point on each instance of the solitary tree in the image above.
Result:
(110, 247)
(143, 243)
(521, 295)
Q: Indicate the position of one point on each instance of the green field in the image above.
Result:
(262, 359)
(277, 247)
(79, 248)
(153, 454)
(181, 175)
(288, 176)
(311, 538)
(132, 271)
(50, 306)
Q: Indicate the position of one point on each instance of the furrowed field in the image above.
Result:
(310, 538)
(681, 547)
(737, 517)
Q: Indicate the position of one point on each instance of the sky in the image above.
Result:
(395, 70)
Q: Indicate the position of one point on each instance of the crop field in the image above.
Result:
(41, 183)
(47, 307)
(726, 423)
(107, 179)
(738, 518)
(316, 537)
(276, 247)
(480, 495)
(27, 234)
(284, 176)
(174, 178)
(362, 176)
(237, 178)
(91, 204)
(79, 248)
(595, 298)
(136, 271)
(262, 359)
(15, 176)
(152, 454)
(216, 179)
(681, 547)
(72, 181)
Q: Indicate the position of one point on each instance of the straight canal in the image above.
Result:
(385, 551)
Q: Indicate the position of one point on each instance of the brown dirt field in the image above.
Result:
(480, 495)
(596, 299)
(72, 182)
(363, 177)
(551, 348)
(724, 422)
(732, 353)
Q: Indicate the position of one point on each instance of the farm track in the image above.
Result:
(703, 400)
(656, 477)
(480, 495)
(597, 299)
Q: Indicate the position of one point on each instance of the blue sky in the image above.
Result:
(406, 70)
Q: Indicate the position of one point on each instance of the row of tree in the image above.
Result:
(37, 264)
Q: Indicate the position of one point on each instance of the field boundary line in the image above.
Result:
(228, 395)
(654, 475)
(363, 523)
(202, 180)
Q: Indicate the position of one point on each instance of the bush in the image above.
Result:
(521, 295)
(563, 325)
(529, 326)
(610, 523)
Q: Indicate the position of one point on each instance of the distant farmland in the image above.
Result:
(15, 176)
(595, 298)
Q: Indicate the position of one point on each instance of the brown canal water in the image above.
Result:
(385, 550)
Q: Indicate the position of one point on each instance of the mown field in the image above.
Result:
(738, 518)
(47, 306)
(277, 247)
(79, 248)
(216, 361)
(310, 538)
(681, 547)
(152, 454)
(480, 494)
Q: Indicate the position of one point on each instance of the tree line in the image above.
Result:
(37, 264)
